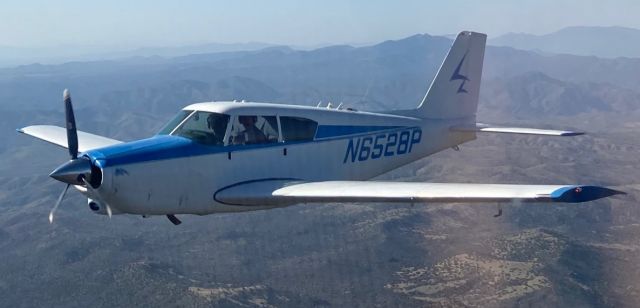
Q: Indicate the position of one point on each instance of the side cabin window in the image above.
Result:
(295, 129)
(206, 128)
(254, 129)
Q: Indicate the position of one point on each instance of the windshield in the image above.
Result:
(177, 119)
(204, 127)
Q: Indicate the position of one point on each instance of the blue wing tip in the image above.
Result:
(572, 134)
(583, 193)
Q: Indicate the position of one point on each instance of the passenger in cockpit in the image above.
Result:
(218, 126)
(251, 133)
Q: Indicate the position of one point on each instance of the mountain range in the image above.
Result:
(605, 42)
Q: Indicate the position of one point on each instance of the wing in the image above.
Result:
(479, 127)
(286, 192)
(58, 136)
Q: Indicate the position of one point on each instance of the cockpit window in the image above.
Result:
(252, 129)
(171, 125)
(204, 127)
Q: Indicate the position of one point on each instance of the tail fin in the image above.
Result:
(455, 89)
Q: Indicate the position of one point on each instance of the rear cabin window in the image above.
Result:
(254, 129)
(296, 129)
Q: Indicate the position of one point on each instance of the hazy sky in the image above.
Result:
(136, 23)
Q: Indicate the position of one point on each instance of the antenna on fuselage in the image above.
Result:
(339, 106)
(318, 105)
(329, 105)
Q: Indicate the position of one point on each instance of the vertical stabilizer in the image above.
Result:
(455, 90)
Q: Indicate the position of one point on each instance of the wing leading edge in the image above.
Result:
(486, 128)
(286, 192)
(58, 136)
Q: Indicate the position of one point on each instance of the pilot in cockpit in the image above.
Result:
(251, 134)
(218, 126)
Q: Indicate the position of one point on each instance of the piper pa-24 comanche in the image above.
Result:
(220, 157)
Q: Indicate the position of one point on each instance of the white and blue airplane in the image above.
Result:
(219, 157)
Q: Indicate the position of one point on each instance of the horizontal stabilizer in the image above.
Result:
(285, 192)
(58, 136)
(479, 127)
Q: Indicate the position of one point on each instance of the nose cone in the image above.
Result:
(73, 171)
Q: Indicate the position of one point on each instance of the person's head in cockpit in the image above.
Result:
(216, 125)
(251, 133)
(248, 121)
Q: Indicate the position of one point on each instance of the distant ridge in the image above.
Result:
(14, 56)
(605, 42)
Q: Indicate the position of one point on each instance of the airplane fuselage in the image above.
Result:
(172, 174)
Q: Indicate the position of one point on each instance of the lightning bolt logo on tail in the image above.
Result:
(457, 76)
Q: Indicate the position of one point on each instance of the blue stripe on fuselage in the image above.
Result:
(330, 131)
(161, 147)
(155, 148)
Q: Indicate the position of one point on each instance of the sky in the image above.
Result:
(130, 24)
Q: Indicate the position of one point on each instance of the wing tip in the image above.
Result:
(583, 193)
(567, 134)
